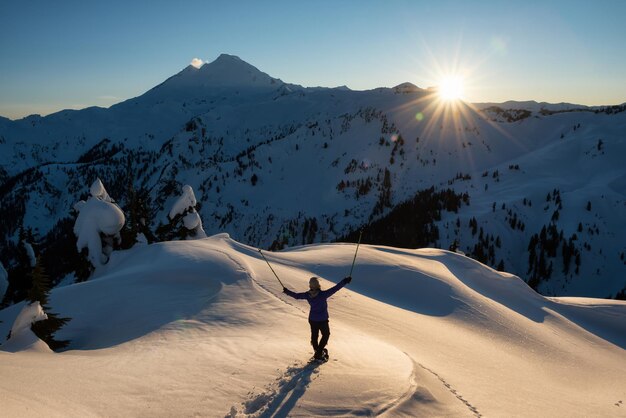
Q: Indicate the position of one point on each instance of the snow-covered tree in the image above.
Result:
(21, 337)
(45, 328)
(98, 224)
(184, 220)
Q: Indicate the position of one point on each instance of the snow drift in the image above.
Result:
(201, 328)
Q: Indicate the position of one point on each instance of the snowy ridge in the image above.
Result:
(277, 165)
(418, 332)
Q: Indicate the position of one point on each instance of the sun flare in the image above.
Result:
(451, 88)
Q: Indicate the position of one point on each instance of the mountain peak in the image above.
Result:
(407, 87)
(231, 70)
(225, 72)
(228, 58)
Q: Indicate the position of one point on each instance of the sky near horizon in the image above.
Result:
(75, 54)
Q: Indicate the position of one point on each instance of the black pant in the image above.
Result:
(316, 327)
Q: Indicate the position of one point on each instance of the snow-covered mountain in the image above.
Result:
(540, 189)
(201, 328)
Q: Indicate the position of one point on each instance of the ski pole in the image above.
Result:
(355, 253)
(270, 266)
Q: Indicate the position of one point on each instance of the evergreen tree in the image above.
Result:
(4, 283)
(20, 274)
(84, 268)
(138, 221)
(577, 262)
(384, 199)
(58, 251)
(174, 229)
(39, 293)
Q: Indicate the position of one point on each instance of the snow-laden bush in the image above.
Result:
(98, 224)
(184, 220)
(22, 337)
(29, 314)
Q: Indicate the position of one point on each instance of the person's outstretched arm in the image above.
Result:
(294, 294)
(335, 288)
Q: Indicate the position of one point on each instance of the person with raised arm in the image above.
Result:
(318, 315)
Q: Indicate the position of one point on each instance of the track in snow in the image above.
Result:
(281, 396)
(471, 407)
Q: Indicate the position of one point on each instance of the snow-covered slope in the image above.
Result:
(201, 328)
(276, 164)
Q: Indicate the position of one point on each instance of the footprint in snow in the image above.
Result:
(279, 397)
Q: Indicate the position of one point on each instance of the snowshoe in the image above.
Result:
(320, 356)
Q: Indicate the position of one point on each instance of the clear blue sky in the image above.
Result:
(74, 54)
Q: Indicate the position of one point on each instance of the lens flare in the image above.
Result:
(443, 112)
(451, 88)
(498, 44)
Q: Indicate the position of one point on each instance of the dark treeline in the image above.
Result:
(411, 224)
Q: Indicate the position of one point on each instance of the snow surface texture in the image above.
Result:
(99, 214)
(201, 328)
(22, 338)
(185, 205)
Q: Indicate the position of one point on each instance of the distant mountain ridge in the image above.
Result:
(277, 164)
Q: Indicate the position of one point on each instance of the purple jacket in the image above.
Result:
(319, 306)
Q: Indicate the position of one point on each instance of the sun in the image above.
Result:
(451, 88)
